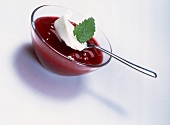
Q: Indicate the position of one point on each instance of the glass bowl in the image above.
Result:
(55, 61)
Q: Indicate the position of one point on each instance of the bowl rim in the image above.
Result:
(79, 63)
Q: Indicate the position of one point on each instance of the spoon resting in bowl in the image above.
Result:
(130, 64)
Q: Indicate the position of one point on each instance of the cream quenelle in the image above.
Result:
(64, 30)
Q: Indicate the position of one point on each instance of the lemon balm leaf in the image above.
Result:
(85, 30)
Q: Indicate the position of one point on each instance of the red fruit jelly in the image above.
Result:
(57, 56)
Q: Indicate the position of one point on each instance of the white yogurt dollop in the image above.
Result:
(64, 30)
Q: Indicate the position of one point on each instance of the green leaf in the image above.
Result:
(85, 30)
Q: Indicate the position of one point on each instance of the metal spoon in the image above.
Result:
(132, 65)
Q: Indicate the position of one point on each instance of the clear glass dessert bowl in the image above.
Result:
(53, 59)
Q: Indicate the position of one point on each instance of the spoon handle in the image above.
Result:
(132, 65)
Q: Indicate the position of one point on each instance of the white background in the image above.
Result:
(138, 30)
